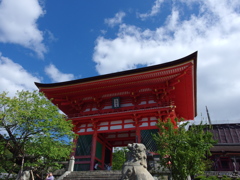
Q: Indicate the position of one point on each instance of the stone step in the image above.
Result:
(106, 177)
(92, 178)
(96, 172)
(94, 175)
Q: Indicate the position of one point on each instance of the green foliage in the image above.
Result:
(199, 177)
(119, 157)
(226, 178)
(206, 178)
(214, 178)
(183, 151)
(32, 131)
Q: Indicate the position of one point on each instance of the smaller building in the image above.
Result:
(226, 153)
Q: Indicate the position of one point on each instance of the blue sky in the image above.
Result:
(59, 40)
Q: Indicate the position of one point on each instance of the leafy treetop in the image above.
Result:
(32, 132)
(183, 151)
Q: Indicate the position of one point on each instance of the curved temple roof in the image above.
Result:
(179, 75)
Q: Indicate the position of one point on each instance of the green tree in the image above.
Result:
(183, 151)
(33, 134)
(119, 157)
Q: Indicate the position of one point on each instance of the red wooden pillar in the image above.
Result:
(103, 154)
(138, 135)
(74, 147)
(111, 156)
(172, 116)
(93, 150)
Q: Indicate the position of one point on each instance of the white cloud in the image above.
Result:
(117, 19)
(154, 11)
(56, 75)
(18, 24)
(13, 77)
(214, 31)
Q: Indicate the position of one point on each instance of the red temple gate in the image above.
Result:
(115, 109)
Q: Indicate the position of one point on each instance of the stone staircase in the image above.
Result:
(94, 175)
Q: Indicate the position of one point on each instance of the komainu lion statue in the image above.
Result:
(135, 168)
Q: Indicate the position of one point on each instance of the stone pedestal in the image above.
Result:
(71, 163)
